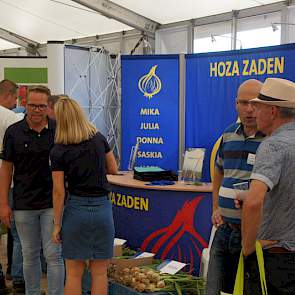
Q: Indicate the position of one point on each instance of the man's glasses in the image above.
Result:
(244, 103)
(40, 107)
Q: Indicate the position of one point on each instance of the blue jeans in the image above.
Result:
(35, 227)
(224, 259)
(17, 257)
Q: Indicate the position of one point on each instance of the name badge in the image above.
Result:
(251, 159)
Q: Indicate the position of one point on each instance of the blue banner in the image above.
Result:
(172, 224)
(150, 110)
(212, 81)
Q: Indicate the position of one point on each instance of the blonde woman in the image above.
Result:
(84, 225)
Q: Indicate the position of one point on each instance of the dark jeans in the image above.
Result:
(2, 281)
(279, 274)
(224, 259)
(1, 271)
(9, 251)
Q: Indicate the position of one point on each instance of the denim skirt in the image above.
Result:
(87, 228)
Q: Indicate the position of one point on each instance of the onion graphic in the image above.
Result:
(179, 236)
(150, 84)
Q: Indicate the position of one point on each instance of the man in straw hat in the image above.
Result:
(269, 208)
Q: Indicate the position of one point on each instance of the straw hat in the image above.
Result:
(277, 92)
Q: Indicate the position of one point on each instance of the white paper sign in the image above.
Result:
(144, 255)
(119, 242)
(172, 267)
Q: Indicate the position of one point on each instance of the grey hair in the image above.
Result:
(287, 112)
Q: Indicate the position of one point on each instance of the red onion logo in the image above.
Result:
(179, 237)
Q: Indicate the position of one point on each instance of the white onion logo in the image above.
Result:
(150, 84)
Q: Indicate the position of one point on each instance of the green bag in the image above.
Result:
(239, 282)
(3, 229)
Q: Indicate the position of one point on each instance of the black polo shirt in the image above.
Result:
(29, 151)
(84, 166)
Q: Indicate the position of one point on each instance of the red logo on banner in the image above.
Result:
(168, 237)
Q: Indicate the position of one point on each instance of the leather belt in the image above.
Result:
(279, 250)
(234, 226)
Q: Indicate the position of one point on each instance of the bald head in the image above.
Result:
(249, 89)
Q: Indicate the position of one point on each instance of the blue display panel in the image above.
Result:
(150, 106)
(212, 81)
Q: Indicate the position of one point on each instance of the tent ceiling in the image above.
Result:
(45, 20)
(168, 11)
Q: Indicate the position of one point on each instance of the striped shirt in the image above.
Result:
(236, 157)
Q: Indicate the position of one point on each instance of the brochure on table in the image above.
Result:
(193, 163)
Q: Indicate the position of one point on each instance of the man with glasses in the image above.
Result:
(26, 148)
(8, 99)
(234, 164)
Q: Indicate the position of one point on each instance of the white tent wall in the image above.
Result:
(205, 31)
(219, 28)
(289, 30)
(120, 42)
(174, 40)
(121, 45)
(177, 38)
(123, 42)
(21, 62)
(20, 51)
(56, 66)
(258, 21)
